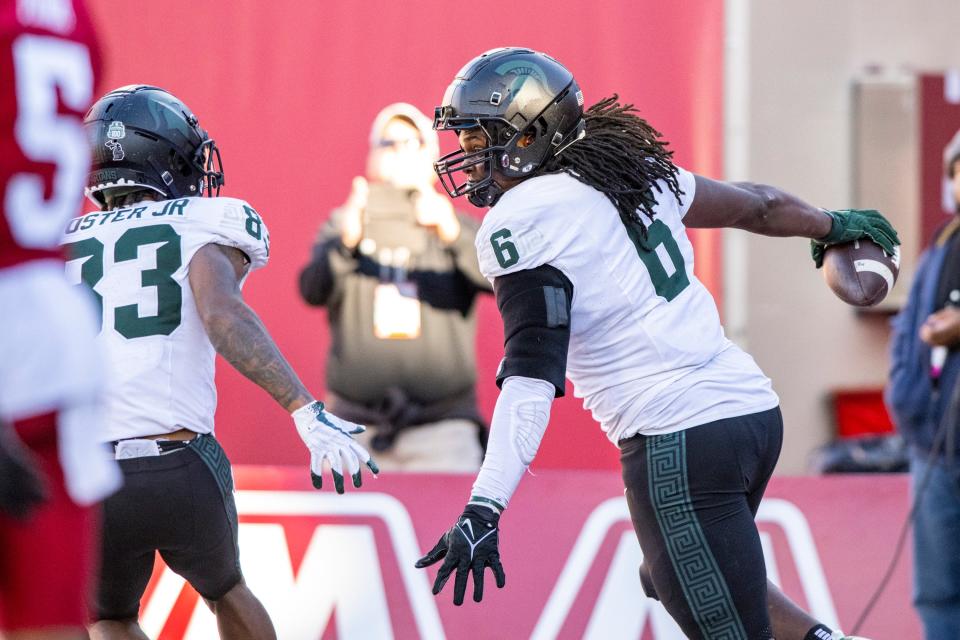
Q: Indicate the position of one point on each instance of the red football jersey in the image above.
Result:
(48, 65)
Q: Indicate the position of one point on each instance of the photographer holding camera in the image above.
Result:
(397, 269)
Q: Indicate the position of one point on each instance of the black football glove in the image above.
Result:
(853, 224)
(470, 545)
(23, 488)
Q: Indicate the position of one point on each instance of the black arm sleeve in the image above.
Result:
(535, 307)
(329, 261)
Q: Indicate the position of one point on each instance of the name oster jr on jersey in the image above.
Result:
(136, 261)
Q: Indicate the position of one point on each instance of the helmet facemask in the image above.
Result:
(485, 191)
(516, 150)
(210, 164)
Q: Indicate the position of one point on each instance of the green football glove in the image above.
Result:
(853, 224)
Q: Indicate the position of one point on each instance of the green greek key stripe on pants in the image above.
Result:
(209, 450)
(703, 585)
(215, 457)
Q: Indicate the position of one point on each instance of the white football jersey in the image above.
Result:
(136, 261)
(647, 352)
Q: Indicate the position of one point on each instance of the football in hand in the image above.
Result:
(860, 272)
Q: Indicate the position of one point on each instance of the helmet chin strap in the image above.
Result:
(486, 196)
(488, 191)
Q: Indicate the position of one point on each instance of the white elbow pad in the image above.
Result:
(528, 423)
(519, 422)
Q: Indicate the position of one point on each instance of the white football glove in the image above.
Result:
(331, 438)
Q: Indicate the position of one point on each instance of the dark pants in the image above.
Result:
(693, 495)
(936, 546)
(180, 504)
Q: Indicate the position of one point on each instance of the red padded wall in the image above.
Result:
(288, 88)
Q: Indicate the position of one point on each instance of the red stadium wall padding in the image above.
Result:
(329, 566)
(289, 89)
(939, 122)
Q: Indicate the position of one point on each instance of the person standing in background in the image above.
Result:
(924, 397)
(52, 470)
(397, 269)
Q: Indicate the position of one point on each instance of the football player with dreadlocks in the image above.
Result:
(586, 246)
(167, 267)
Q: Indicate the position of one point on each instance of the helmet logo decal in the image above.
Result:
(115, 132)
(504, 161)
(116, 148)
(522, 69)
(579, 98)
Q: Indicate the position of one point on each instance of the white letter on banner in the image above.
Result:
(269, 542)
(621, 610)
(772, 511)
(340, 570)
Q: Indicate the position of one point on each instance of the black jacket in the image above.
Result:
(433, 369)
(919, 409)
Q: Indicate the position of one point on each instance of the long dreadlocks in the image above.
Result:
(623, 157)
